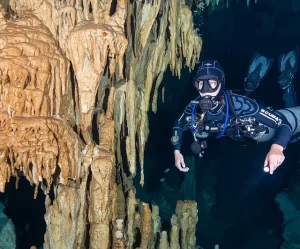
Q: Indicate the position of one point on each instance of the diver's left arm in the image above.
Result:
(282, 137)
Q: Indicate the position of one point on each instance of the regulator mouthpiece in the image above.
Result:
(206, 103)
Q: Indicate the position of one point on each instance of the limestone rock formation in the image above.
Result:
(77, 80)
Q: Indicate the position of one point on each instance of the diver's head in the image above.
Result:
(210, 82)
(210, 78)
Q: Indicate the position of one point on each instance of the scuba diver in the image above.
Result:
(224, 113)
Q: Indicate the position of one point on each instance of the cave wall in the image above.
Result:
(78, 79)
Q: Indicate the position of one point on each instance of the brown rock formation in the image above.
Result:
(66, 66)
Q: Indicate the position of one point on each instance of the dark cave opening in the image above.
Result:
(246, 215)
(26, 213)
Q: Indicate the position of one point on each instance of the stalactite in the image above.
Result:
(42, 142)
(34, 71)
(88, 50)
(148, 14)
(173, 19)
(148, 49)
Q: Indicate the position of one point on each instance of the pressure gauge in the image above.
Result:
(175, 139)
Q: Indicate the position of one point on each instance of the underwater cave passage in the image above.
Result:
(239, 205)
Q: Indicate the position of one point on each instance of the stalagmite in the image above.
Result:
(184, 222)
(101, 184)
(118, 236)
(131, 206)
(156, 224)
(163, 241)
(174, 236)
(146, 226)
(186, 212)
(77, 82)
(65, 217)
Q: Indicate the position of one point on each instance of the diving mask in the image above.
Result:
(207, 85)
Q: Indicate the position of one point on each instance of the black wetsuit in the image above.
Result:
(253, 121)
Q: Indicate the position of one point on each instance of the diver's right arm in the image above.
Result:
(180, 125)
(179, 161)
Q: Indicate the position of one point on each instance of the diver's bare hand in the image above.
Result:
(179, 161)
(274, 158)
